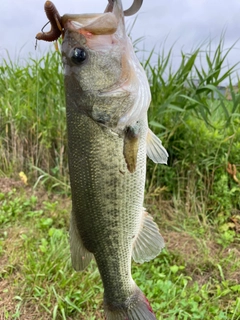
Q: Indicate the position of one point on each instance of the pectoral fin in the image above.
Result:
(80, 256)
(130, 147)
(148, 241)
(155, 150)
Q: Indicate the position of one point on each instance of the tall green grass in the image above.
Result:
(198, 125)
(32, 109)
(200, 129)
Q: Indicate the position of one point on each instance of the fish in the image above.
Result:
(107, 98)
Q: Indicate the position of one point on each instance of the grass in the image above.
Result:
(195, 199)
(195, 277)
(33, 126)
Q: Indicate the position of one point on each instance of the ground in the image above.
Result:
(201, 259)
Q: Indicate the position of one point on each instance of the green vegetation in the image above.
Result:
(195, 199)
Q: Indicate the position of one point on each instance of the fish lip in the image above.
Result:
(72, 25)
(70, 22)
(107, 23)
(91, 24)
(75, 17)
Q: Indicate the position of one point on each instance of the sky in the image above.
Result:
(186, 24)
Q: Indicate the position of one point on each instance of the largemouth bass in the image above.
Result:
(107, 97)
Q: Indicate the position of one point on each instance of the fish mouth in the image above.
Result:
(103, 23)
(60, 24)
(93, 24)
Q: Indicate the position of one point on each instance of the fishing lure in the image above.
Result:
(55, 22)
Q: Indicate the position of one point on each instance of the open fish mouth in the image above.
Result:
(57, 22)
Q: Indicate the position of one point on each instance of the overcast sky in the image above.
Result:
(187, 23)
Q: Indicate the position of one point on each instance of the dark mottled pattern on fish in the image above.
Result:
(101, 195)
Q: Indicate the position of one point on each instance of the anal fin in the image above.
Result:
(80, 256)
(155, 150)
(148, 242)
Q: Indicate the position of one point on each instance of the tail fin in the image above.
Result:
(135, 307)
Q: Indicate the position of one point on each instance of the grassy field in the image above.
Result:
(195, 199)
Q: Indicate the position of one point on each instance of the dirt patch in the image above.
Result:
(188, 246)
(234, 253)
(182, 243)
(7, 184)
(27, 311)
(10, 303)
(201, 257)
(6, 298)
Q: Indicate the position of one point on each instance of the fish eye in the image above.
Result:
(78, 55)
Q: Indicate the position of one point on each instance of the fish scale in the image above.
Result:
(108, 189)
